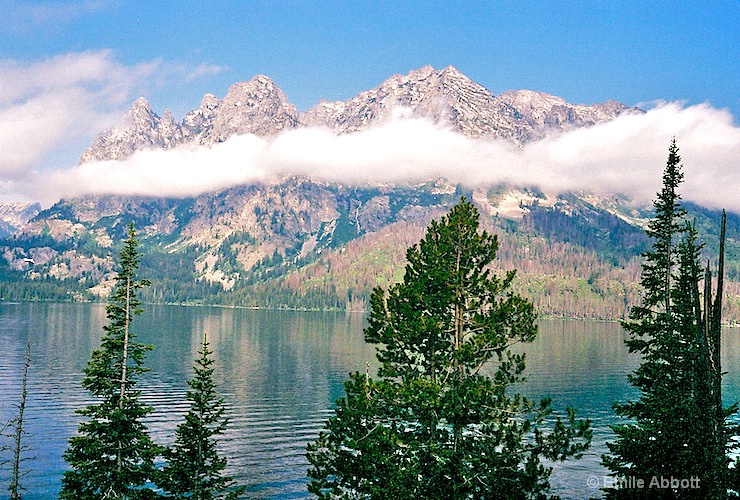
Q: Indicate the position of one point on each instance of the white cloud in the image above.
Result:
(626, 156)
(181, 172)
(23, 17)
(46, 104)
(204, 70)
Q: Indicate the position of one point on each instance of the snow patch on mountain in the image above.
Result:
(445, 97)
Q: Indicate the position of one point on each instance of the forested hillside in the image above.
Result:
(302, 244)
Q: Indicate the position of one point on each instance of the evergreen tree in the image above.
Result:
(113, 456)
(439, 422)
(194, 467)
(679, 429)
(16, 426)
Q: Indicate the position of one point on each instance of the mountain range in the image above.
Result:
(304, 243)
(445, 96)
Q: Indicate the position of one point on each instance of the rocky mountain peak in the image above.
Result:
(451, 71)
(141, 104)
(209, 102)
(140, 129)
(449, 97)
(428, 80)
(422, 73)
(446, 96)
(140, 115)
(249, 93)
(545, 113)
(258, 107)
(170, 131)
(168, 116)
(198, 124)
(443, 96)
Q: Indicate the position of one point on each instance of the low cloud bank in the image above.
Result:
(48, 106)
(624, 156)
(57, 101)
(51, 109)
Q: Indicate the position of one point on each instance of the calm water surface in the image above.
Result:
(280, 373)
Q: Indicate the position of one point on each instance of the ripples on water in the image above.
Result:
(279, 373)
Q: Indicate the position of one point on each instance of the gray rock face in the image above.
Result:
(451, 98)
(197, 125)
(544, 113)
(255, 107)
(140, 129)
(445, 96)
(14, 216)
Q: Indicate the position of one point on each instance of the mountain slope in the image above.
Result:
(14, 216)
(446, 97)
(258, 107)
(450, 98)
(301, 243)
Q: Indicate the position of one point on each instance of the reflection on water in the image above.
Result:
(280, 373)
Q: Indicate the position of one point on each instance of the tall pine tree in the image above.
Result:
(195, 469)
(112, 456)
(440, 422)
(679, 430)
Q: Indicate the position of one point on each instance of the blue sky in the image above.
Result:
(583, 51)
(70, 69)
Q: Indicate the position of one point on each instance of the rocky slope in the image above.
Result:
(14, 216)
(445, 96)
(301, 243)
(140, 129)
(544, 113)
(450, 98)
(254, 107)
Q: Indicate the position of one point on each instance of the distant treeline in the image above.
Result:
(586, 267)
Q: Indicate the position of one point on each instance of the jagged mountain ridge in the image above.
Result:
(255, 107)
(449, 97)
(301, 243)
(445, 96)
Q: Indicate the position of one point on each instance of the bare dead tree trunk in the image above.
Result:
(712, 329)
(124, 362)
(716, 321)
(18, 447)
(124, 358)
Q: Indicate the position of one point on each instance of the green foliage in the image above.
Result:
(194, 467)
(579, 260)
(112, 456)
(435, 424)
(173, 277)
(37, 290)
(594, 229)
(679, 428)
(61, 210)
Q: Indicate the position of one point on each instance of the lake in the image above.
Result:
(280, 372)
